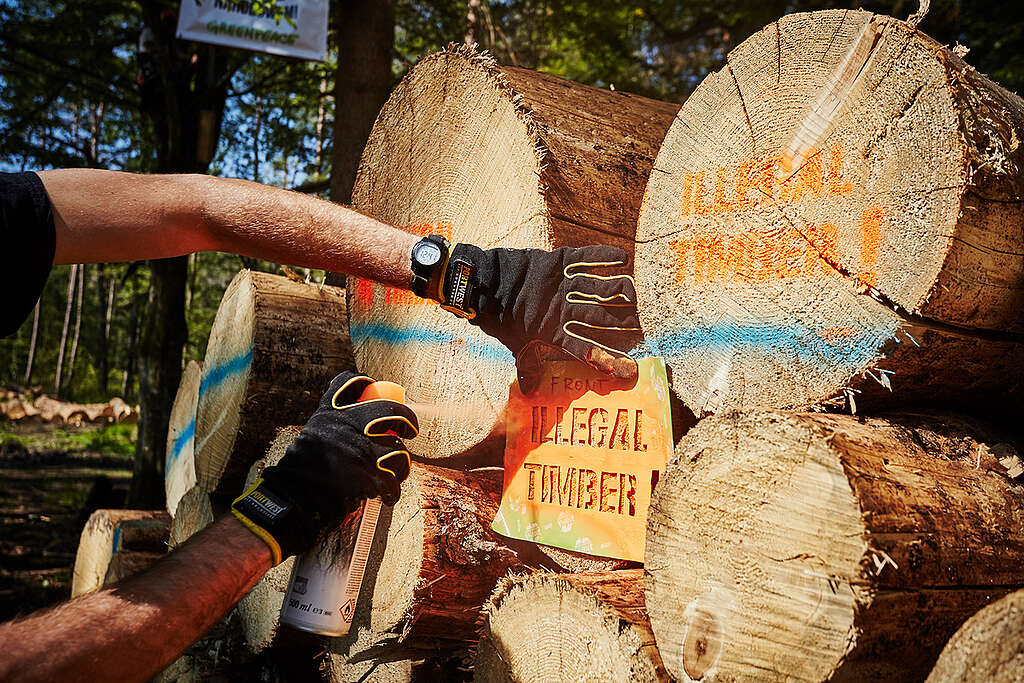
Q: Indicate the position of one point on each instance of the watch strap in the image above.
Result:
(422, 273)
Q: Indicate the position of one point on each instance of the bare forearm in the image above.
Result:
(132, 630)
(104, 216)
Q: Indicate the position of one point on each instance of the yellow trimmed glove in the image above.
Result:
(346, 452)
(581, 300)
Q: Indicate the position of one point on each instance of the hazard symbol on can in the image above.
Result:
(346, 611)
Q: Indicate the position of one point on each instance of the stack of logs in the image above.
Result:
(828, 231)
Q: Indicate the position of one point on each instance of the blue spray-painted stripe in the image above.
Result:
(186, 435)
(215, 376)
(117, 540)
(784, 340)
(401, 336)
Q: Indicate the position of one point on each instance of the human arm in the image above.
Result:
(133, 629)
(104, 216)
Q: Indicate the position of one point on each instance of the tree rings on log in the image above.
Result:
(987, 648)
(274, 346)
(113, 532)
(260, 609)
(180, 469)
(568, 627)
(812, 547)
(838, 213)
(497, 157)
(194, 513)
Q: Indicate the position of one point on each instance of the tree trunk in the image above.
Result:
(260, 609)
(190, 84)
(274, 347)
(193, 514)
(109, 532)
(32, 345)
(366, 29)
(568, 627)
(104, 299)
(838, 219)
(163, 337)
(812, 547)
(180, 469)
(69, 387)
(497, 157)
(987, 648)
(72, 274)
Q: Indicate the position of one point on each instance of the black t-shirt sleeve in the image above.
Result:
(27, 231)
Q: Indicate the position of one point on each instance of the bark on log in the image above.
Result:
(495, 156)
(274, 346)
(839, 209)
(812, 547)
(194, 513)
(180, 469)
(260, 609)
(987, 648)
(111, 532)
(568, 627)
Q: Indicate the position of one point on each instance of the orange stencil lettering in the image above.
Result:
(708, 258)
(741, 261)
(700, 206)
(746, 180)
(821, 257)
(686, 208)
(871, 237)
(364, 291)
(808, 179)
(836, 184)
(719, 204)
(790, 261)
(679, 249)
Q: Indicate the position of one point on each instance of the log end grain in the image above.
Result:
(550, 627)
(987, 648)
(180, 469)
(816, 546)
(109, 532)
(194, 513)
(817, 197)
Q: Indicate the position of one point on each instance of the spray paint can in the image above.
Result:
(325, 582)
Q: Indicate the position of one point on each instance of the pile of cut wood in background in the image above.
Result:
(829, 254)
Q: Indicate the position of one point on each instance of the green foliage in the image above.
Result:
(116, 440)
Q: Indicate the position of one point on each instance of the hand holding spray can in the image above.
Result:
(325, 581)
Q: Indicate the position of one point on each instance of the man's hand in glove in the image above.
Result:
(578, 299)
(346, 452)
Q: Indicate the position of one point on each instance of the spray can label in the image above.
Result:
(325, 582)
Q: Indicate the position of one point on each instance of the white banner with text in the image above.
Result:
(300, 32)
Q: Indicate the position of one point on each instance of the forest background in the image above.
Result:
(79, 89)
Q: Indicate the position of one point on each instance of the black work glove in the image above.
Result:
(343, 455)
(576, 299)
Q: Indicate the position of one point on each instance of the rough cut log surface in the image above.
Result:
(988, 648)
(274, 346)
(194, 514)
(841, 206)
(111, 532)
(495, 156)
(128, 563)
(812, 547)
(180, 469)
(568, 627)
(260, 609)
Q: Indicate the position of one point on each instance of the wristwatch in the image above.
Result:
(428, 259)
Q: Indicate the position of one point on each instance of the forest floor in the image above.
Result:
(50, 481)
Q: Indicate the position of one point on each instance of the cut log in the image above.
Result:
(987, 648)
(260, 609)
(274, 347)
(568, 627)
(180, 470)
(812, 547)
(112, 532)
(194, 513)
(498, 157)
(128, 563)
(838, 212)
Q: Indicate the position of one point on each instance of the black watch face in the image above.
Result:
(428, 253)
